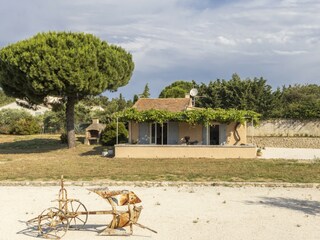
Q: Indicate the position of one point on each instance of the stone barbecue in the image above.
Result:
(93, 132)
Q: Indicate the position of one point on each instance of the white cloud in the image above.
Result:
(289, 53)
(169, 38)
(226, 41)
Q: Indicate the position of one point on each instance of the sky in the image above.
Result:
(201, 40)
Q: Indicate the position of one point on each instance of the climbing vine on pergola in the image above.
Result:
(194, 116)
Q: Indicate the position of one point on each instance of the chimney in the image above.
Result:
(95, 120)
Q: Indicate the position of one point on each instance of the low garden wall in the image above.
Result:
(286, 142)
(184, 151)
(285, 128)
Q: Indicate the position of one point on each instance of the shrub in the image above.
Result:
(14, 121)
(64, 138)
(109, 134)
(26, 126)
(54, 122)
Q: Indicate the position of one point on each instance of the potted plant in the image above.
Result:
(259, 152)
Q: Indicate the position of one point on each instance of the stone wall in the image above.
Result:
(286, 127)
(286, 142)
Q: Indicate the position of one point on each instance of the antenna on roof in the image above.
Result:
(193, 94)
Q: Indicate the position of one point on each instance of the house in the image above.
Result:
(174, 128)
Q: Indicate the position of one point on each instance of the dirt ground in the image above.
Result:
(179, 212)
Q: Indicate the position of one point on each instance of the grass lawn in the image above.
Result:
(43, 157)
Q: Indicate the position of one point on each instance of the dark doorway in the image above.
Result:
(159, 134)
(162, 133)
(214, 135)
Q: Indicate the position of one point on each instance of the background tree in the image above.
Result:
(63, 64)
(146, 92)
(92, 101)
(178, 89)
(298, 102)
(109, 107)
(210, 94)
(135, 98)
(54, 121)
(4, 99)
(249, 94)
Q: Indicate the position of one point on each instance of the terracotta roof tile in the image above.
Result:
(169, 104)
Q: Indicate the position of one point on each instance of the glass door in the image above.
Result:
(159, 133)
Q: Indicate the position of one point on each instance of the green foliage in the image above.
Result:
(92, 101)
(63, 64)
(298, 102)
(110, 108)
(20, 122)
(178, 89)
(203, 116)
(54, 121)
(64, 138)
(146, 92)
(135, 98)
(249, 94)
(26, 126)
(4, 99)
(82, 113)
(10, 116)
(295, 102)
(109, 134)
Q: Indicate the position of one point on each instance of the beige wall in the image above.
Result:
(231, 135)
(184, 151)
(194, 131)
(134, 130)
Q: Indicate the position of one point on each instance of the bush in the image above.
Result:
(54, 122)
(14, 121)
(26, 126)
(64, 138)
(109, 134)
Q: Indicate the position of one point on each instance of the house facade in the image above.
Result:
(178, 139)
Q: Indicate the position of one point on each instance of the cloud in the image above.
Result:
(186, 39)
(289, 53)
(226, 41)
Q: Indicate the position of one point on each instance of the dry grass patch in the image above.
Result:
(42, 157)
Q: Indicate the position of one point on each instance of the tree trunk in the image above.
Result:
(71, 101)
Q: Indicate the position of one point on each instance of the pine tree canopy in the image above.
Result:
(63, 64)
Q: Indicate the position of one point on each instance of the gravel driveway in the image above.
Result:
(291, 153)
(179, 213)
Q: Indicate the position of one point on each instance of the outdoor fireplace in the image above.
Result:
(93, 132)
